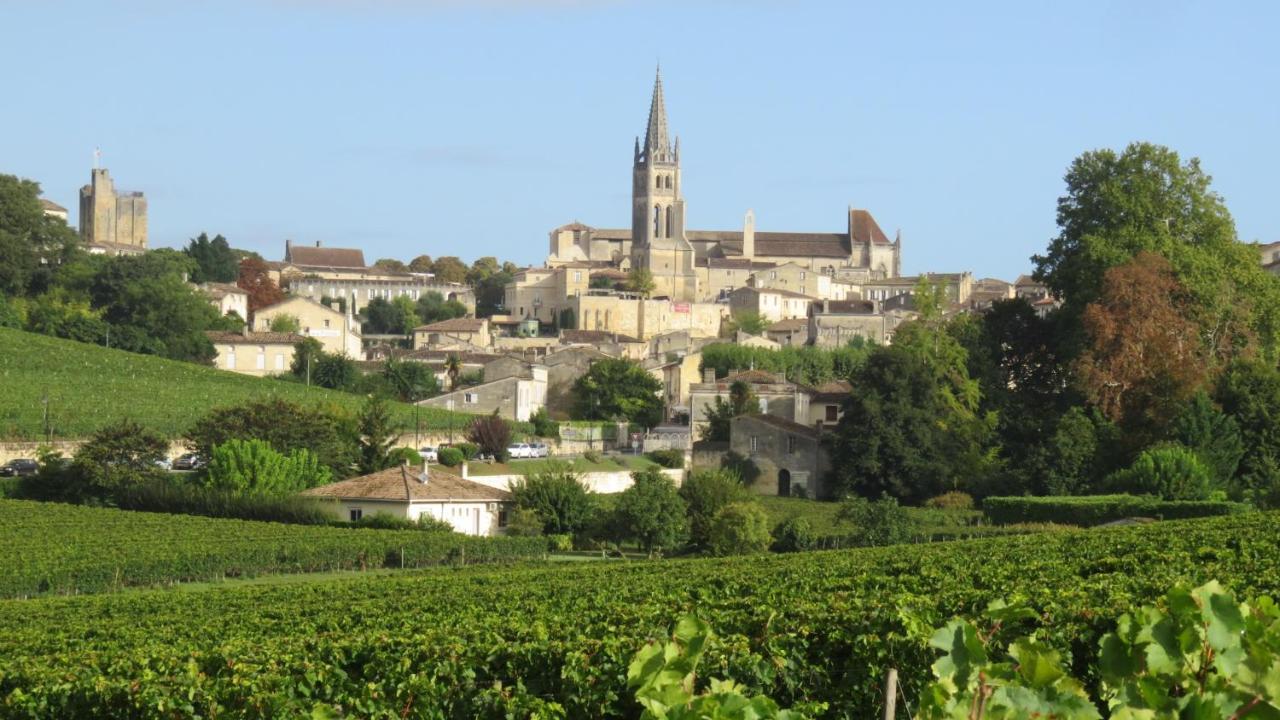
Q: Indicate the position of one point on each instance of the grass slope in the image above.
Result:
(608, 463)
(89, 386)
(508, 643)
(60, 549)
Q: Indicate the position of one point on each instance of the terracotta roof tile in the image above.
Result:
(254, 338)
(403, 483)
(325, 256)
(865, 228)
(464, 325)
(789, 325)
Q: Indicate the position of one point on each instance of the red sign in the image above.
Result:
(680, 307)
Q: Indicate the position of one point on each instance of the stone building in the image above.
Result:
(472, 332)
(111, 222)
(833, 324)
(776, 395)
(227, 298)
(319, 272)
(771, 304)
(789, 458)
(338, 333)
(704, 265)
(514, 397)
(53, 209)
(254, 353)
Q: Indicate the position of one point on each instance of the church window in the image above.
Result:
(657, 181)
(657, 221)
(669, 223)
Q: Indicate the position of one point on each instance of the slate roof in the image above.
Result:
(781, 423)
(350, 258)
(403, 484)
(254, 338)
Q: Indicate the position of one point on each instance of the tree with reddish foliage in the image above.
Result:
(255, 279)
(492, 434)
(1144, 358)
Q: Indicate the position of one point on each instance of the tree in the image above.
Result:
(543, 425)
(1146, 199)
(618, 389)
(255, 279)
(406, 315)
(1070, 465)
(492, 434)
(1212, 436)
(117, 457)
(329, 434)
(720, 415)
(558, 496)
(1171, 472)
(32, 245)
(449, 269)
(390, 264)
(651, 511)
(253, 467)
(875, 522)
(285, 323)
(420, 264)
(336, 372)
(1249, 392)
(378, 317)
(306, 354)
(453, 369)
(1143, 359)
(640, 280)
(432, 307)
(739, 528)
(704, 494)
(410, 381)
(567, 320)
(749, 322)
(214, 259)
(602, 282)
(900, 435)
(378, 432)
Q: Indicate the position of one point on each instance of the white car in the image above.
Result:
(540, 450)
(520, 450)
(429, 454)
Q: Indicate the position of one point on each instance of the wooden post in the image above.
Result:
(890, 694)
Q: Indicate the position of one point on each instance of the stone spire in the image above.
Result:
(657, 144)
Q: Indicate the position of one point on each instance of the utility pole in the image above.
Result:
(308, 368)
(48, 431)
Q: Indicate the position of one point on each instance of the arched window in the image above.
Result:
(668, 182)
(657, 181)
(669, 223)
(657, 221)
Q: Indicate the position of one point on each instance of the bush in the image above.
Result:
(879, 522)
(592, 456)
(954, 500)
(543, 425)
(739, 528)
(402, 456)
(557, 494)
(560, 542)
(742, 466)
(652, 512)
(667, 458)
(492, 434)
(384, 521)
(705, 492)
(470, 451)
(1089, 510)
(167, 496)
(1172, 472)
(524, 522)
(794, 534)
(253, 467)
(450, 457)
(327, 433)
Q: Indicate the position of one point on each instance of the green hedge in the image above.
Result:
(1088, 510)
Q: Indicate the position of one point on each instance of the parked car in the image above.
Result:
(520, 450)
(190, 461)
(540, 450)
(19, 467)
(164, 463)
(429, 454)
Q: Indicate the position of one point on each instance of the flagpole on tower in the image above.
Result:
(97, 157)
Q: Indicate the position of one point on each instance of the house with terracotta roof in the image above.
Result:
(776, 395)
(414, 492)
(793, 331)
(772, 304)
(254, 353)
(455, 332)
(227, 298)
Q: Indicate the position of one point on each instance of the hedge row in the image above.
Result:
(1089, 510)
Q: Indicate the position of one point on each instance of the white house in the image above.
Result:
(413, 492)
(227, 298)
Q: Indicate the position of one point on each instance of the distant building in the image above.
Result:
(250, 353)
(112, 223)
(227, 298)
(338, 333)
(416, 492)
(53, 209)
(455, 332)
(788, 456)
(515, 397)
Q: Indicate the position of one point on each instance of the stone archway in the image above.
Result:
(784, 483)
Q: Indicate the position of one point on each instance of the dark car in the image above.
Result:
(19, 467)
(190, 461)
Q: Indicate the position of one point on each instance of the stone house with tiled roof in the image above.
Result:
(338, 333)
(776, 395)
(788, 458)
(432, 491)
(227, 298)
(793, 331)
(254, 353)
(771, 304)
(468, 331)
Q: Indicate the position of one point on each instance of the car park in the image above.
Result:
(19, 468)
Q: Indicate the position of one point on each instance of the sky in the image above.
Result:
(470, 128)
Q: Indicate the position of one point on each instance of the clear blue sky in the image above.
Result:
(472, 128)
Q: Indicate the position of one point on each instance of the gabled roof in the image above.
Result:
(833, 390)
(789, 325)
(254, 338)
(865, 229)
(778, 291)
(780, 423)
(737, 263)
(217, 290)
(758, 377)
(464, 325)
(350, 258)
(294, 299)
(844, 307)
(404, 484)
(51, 206)
(593, 337)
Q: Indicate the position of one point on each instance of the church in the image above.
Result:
(706, 265)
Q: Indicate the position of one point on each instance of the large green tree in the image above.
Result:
(652, 512)
(1249, 392)
(432, 307)
(618, 389)
(215, 261)
(328, 433)
(1119, 204)
(32, 245)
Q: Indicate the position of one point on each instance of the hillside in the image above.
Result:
(556, 642)
(89, 386)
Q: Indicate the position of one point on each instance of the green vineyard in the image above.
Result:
(63, 549)
(86, 387)
(547, 641)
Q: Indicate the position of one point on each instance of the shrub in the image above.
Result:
(705, 492)
(492, 434)
(652, 512)
(328, 433)
(879, 522)
(470, 451)
(739, 528)
(1088, 510)
(557, 494)
(403, 455)
(560, 542)
(667, 458)
(543, 425)
(450, 457)
(253, 467)
(591, 456)
(166, 496)
(794, 534)
(740, 465)
(524, 522)
(384, 521)
(954, 500)
(1172, 472)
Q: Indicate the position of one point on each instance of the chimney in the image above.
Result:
(317, 243)
(708, 375)
(465, 471)
(288, 244)
(749, 235)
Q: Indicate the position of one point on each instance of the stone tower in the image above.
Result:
(110, 220)
(657, 213)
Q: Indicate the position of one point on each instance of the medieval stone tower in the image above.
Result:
(657, 213)
(110, 220)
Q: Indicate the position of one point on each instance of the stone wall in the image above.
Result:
(14, 450)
